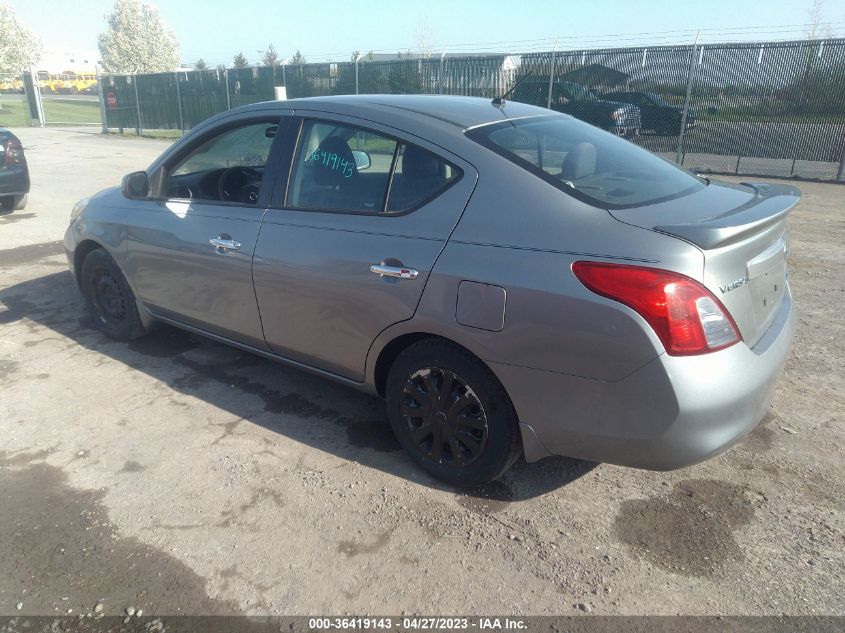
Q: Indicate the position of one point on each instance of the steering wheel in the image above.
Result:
(238, 179)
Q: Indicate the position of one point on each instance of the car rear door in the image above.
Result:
(189, 250)
(332, 269)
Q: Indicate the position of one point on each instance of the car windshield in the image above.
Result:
(577, 92)
(657, 100)
(592, 165)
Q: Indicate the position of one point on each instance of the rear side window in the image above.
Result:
(339, 167)
(592, 165)
(419, 176)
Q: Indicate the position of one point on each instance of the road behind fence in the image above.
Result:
(767, 108)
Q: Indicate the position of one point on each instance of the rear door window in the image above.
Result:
(594, 166)
(339, 167)
(418, 177)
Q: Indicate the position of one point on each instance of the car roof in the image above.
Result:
(452, 111)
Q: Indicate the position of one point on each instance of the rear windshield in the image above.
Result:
(592, 165)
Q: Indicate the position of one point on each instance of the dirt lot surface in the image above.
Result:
(176, 475)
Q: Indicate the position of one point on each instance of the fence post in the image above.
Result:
(686, 101)
(228, 97)
(552, 75)
(140, 127)
(33, 97)
(440, 78)
(840, 173)
(357, 59)
(179, 102)
(101, 97)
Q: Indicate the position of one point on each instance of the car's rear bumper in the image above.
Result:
(14, 181)
(673, 412)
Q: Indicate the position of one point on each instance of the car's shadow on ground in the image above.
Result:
(306, 408)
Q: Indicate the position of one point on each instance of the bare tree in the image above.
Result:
(424, 37)
(816, 27)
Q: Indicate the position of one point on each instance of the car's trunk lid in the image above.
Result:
(742, 231)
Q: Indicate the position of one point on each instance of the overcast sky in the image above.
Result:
(217, 29)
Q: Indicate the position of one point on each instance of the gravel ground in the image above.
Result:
(178, 476)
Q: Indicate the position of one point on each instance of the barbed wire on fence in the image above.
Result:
(766, 106)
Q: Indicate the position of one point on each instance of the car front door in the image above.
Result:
(349, 248)
(189, 250)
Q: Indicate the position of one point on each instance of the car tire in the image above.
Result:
(109, 299)
(13, 203)
(451, 414)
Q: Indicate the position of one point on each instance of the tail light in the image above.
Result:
(14, 152)
(687, 318)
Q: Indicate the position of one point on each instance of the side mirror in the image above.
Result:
(136, 186)
(362, 159)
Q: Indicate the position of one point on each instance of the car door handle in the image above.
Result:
(400, 272)
(224, 244)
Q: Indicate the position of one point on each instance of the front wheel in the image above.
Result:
(451, 414)
(109, 299)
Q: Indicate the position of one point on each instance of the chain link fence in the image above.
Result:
(773, 108)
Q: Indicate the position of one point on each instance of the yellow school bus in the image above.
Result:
(72, 82)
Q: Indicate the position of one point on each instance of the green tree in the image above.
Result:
(297, 59)
(200, 64)
(136, 40)
(19, 48)
(240, 61)
(270, 56)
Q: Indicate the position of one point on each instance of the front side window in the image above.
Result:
(229, 167)
(345, 168)
(596, 167)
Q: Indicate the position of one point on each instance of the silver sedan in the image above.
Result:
(513, 281)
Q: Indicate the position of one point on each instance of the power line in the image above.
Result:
(646, 38)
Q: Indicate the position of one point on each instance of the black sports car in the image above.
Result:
(658, 117)
(14, 173)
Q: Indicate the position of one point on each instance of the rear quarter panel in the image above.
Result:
(523, 235)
